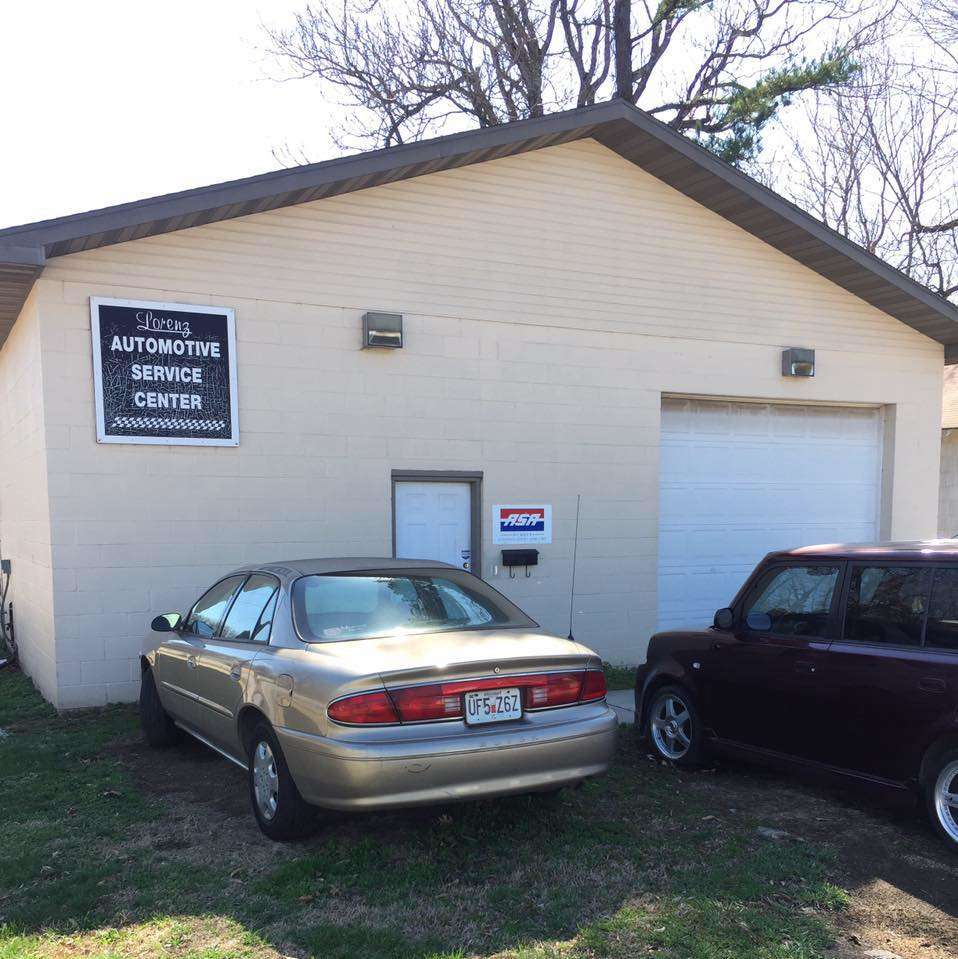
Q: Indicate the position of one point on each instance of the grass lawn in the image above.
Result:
(619, 677)
(110, 850)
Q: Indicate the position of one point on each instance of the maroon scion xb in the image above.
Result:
(836, 657)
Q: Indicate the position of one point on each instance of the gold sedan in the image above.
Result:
(373, 684)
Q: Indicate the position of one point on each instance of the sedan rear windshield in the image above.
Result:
(337, 607)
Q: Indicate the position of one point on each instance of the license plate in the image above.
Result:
(493, 706)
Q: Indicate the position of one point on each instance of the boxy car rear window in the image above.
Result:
(338, 607)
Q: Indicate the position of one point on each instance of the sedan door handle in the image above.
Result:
(804, 666)
(236, 670)
(931, 684)
(191, 661)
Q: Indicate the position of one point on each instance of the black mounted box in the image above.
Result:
(520, 557)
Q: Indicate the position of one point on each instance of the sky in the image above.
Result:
(107, 101)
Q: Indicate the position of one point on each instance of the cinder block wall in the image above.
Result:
(550, 300)
(24, 500)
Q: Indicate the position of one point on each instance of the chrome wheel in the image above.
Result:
(946, 799)
(671, 726)
(265, 780)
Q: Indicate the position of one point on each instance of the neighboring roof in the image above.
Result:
(949, 404)
(628, 131)
(942, 548)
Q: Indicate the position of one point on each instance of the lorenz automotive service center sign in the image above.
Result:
(164, 373)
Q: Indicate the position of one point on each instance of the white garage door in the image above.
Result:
(741, 479)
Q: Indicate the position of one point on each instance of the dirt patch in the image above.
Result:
(901, 879)
(902, 883)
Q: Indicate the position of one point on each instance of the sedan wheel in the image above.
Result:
(265, 781)
(945, 800)
(674, 727)
(279, 808)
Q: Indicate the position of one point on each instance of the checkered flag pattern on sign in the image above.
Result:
(158, 423)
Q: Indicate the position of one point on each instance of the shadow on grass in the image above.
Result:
(118, 847)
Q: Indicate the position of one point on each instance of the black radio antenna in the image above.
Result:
(575, 550)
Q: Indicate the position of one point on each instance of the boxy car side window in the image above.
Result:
(207, 614)
(886, 604)
(797, 599)
(942, 629)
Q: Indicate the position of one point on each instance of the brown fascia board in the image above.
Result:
(630, 132)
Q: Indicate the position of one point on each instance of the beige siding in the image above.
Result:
(550, 300)
(24, 505)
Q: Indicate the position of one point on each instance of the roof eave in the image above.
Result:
(20, 265)
(630, 132)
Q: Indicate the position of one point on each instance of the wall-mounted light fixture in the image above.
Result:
(382, 330)
(798, 362)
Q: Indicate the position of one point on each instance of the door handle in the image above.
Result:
(931, 684)
(191, 661)
(804, 666)
(236, 670)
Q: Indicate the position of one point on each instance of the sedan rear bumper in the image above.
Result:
(531, 755)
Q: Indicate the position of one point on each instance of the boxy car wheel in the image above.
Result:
(942, 796)
(281, 812)
(159, 730)
(673, 726)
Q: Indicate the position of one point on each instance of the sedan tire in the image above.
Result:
(674, 728)
(281, 812)
(158, 727)
(942, 796)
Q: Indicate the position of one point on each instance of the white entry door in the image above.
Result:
(433, 521)
(739, 480)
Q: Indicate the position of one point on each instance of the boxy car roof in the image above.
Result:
(932, 549)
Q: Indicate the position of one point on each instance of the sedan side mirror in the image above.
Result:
(167, 623)
(724, 619)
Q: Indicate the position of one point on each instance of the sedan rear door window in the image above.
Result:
(942, 629)
(797, 599)
(248, 607)
(886, 604)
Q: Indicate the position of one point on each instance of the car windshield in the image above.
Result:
(335, 607)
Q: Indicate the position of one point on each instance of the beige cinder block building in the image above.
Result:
(592, 307)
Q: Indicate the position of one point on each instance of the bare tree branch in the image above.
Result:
(717, 69)
(879, 162)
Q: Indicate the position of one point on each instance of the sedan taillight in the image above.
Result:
(419, 704)
(364, 709)
(436, 701)
(554, 689)
(594, 686)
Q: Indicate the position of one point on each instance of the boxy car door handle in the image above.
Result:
(931, 684)
(804, 666)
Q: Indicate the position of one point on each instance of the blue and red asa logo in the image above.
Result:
(522, 519)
